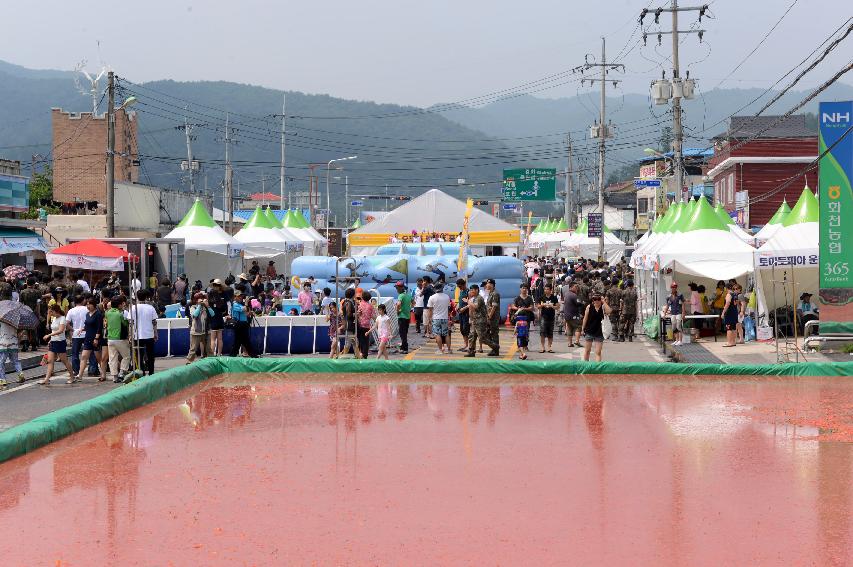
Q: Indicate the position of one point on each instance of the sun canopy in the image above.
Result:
(90, 254)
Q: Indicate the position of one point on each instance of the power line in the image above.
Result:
(759, 44)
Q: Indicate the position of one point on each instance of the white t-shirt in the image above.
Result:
(85, 285)
(54, 326)
(147, 315)
(383, 325)
(77, 317)
(324, 305)
(439, 302)
(135, 286)
(419, 297)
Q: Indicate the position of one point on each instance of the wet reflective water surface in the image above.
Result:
(461, 470)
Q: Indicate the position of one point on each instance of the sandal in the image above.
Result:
(543, 351)
(102, 379)
(551, 351)
(44, 382)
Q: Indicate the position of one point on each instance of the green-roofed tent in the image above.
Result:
(260, 237)
(356, 224)
(209, 251)
(806, 209)
(797, 237)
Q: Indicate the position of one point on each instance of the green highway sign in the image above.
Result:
(530, 184)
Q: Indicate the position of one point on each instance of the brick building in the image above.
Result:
(79, 153)
(754, 168)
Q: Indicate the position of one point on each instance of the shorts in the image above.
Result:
(546, 328)
(677, 323)
(464, 327)
(384, 339)
(217, 323)
(439, 327)
(522, 342)
(89, 344)
(58, 347)
(572, 325)
(594, 338)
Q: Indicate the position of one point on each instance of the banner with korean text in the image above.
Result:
(836, 217)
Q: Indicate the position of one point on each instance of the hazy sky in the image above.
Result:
(410, 52)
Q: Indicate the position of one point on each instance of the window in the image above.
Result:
(731, 188)
(642, 206)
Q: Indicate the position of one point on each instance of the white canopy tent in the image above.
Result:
(788, 263)
(706, 248)
(774, 224)
(259, 237)
(295, 223)
(209, 251)
(579, 243)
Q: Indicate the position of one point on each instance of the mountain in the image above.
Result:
(407, 148)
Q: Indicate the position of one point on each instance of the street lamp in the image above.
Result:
(328, 195)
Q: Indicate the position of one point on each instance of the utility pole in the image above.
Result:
(346, 193)
(111, 150)
(677, 89)
(281, 166)
(188, 128)
(229, 181)
(602, 130)
(567, 213)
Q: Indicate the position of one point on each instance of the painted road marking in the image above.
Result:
(16, 388)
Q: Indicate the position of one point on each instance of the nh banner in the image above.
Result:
(836, 217)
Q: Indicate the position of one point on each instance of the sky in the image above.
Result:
(415, 53)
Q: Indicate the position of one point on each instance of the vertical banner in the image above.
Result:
(836, 218)
(462, 262)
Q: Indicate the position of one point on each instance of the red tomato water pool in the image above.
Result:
(453, 470)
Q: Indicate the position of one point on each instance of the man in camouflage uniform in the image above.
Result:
(493, 307)
(628, 309)
(583, 293)
(478, 315)
(614, 296)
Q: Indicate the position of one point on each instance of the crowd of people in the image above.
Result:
(107, 323)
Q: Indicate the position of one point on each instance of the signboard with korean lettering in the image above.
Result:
(529, 184)
(595, 224)
(651, 170)
(835, 177)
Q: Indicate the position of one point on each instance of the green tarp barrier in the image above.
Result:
(53, 426)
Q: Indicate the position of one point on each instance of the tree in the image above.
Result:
(41, 187)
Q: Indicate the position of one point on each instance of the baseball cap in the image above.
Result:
(217, 281)
(399, 284)
(674, 285)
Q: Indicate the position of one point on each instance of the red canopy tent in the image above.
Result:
(89, 254)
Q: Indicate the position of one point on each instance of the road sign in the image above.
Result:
(356, 204)
(510, 206)
(595, 224)
(529, 184)
(647, 183)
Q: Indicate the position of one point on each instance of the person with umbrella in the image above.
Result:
(9, 352)
(13, 316)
